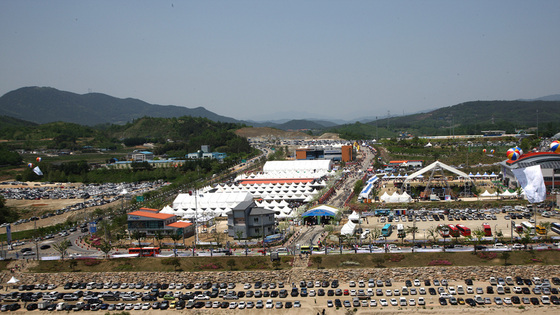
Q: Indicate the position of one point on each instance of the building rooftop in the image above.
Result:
(147, 214)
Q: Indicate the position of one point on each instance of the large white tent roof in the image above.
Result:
(216, 200)
(435, 165)
(299, 165)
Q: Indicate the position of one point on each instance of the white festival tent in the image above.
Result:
(441, 165)
(348, 228)
(203, 204)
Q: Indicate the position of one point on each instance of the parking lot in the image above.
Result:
(500, 293)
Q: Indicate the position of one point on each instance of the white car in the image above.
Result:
(517, 246)
(233, 305)
(241, 305)
(394, 302)
(297, 304)
(269, 304)
(388, 292)
(383, 302)
(421, 301)
(372, 303)
(416, 283)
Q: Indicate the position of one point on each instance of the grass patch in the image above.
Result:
(162, 264)
(437, 259)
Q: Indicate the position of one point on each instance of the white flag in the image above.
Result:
(37, 171)
(532, 181)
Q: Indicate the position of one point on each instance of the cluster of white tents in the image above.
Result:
(395, 197)
(277, 191)
(506, 193)
(204, 205)
(485, 175)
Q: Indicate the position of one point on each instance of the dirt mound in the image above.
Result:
(271, 133)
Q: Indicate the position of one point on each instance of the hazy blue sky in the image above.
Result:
(260, 59)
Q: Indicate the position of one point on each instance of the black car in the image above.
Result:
(46, 246)
(330, 293)
(432, 291)
(321, 292)
(470, 302)
(337, 303)
(489, 290)
(525, 290)
(31, 306)
(554, 300)
(555, 280)
(442, 301)
(469, 281)
(534, 301)
(288, 304)
(427, 283)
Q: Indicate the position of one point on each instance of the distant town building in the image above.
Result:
(343, 153)
(204, 153)
(140, 156)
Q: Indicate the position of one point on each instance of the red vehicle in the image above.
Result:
(453, 230)
(465, 231)
(487, 230)
(144, 251)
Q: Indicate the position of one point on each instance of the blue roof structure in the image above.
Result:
(319, 212)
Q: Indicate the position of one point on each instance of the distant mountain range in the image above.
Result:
(41, 105)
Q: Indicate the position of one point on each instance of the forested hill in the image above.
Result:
(172, 136)
(43, 105)
(464, 119)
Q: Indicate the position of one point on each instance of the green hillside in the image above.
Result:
(43, 105)
(465, 119)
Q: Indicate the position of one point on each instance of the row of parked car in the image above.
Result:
(361, 293)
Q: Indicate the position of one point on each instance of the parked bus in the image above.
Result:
(400, 231)
(387, 230)
(465, 231)
(453, 231)
(144, 251)
(487, 229)
(555, 227)
(443, 230)
(529, 227)
(540, 230)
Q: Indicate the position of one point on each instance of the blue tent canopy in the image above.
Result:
(319, 212)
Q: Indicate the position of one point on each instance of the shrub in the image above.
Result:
(91, 262)
(396, 257)
(440, 262)
(487, 255)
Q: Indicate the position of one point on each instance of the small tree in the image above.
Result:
(546, 225)
(175, 237)
(412, 230)
(478, 234)
(62, 247)
(73, 263)
(378, 260)
(231, 263)
(138, 237)
(316, 259)
(505, 257)
(105, 247)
